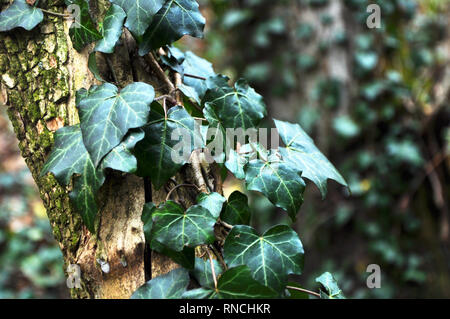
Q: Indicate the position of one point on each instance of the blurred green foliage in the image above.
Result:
(383, 141)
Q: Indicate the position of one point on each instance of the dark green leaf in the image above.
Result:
(169, 286)
(92, 65)
(112, 29)
(212, 202)
(175, 228)
(68, 157)
(139, 13)
(235, 283)
(83, 31)
(120, 158)
(146, 217)
(238, 107)
(303, 155)
(203, 272)
(271, 257)
(155, 153)
(329, 287)
(174, 20)
(185, 258)
(278, 181)
(106, 115)
(236, 210)
(194, 65)
(20, 14)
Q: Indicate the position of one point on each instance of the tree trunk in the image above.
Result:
(41, 73)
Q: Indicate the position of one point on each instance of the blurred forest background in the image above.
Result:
(376, 102)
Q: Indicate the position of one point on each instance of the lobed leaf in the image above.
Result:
(169, 286)
(236, 211)
(20, 14)
(112, 29)
(305, 157)
(176, 228)
(140, 13)
(270, 257)
(174, 20)
(106, 115)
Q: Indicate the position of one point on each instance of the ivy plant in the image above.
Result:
(129, 130)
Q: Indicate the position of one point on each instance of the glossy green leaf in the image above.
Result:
(174, 20)
(278, 181)
(20, 14)
(176, 228)
(155, 153)
(235, 283)
(146, 217)
(83, 30)
(271, 257)
(236, 211)
(92, 65)
(68, 157)
(140, 13)
(238, 107)
(106, 115)
(169, 286)
(120, 158)
(185, 258)
(329, 287)
(203, 272)
(213, 202)
(112, 29)
(303, 155)
(194, 65)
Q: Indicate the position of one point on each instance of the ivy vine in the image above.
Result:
(129, 130)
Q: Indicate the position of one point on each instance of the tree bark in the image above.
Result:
(41, 73)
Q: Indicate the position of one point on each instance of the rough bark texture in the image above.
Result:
(40, 74)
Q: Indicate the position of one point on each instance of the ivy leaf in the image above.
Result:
(278, 181)
(174, 20)
(270, 257)
(69, 157)
(194, 65)
(213, 202)
(238, 107)
(120, 158)
(185, 258)
(176, 228)
(139, 13)
(146, 217)
(235, 283)
(106, 115)
(237, 211)
(155, 153)
(20, 14)
(306, 157)
(174, 59)
(236, 163)
(112, 29)
(168, 286)
(203, 272)
(83, 31)
(329, 287)
(84, 193)
(92, 65)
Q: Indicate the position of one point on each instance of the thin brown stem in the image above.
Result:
(159, 71)
(63, 15)
(226, 225)
(195, 76)
(212, 268)
(304, 290)
(178, 186)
